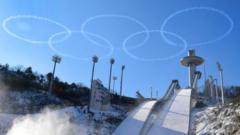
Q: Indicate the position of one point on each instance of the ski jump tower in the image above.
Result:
(191, 61)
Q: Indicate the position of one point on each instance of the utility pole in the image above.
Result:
(94, 60)
(114, 79)
(123, 68)
(112, 61)
(151, 93)
(221, 77)
(56, 59)
(156, 94)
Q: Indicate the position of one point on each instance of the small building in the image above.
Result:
(100, 97)
(210, 90)
(207, 89)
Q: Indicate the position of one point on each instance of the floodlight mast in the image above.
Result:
(94, 60)
(121, 84)
(112, 61)
(56, 59)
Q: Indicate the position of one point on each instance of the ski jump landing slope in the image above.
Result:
(174, 117)
(133, 124)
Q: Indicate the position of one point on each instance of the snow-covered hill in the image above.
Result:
(24, 102)
(38, 113)
(66, 121)
(218, 120)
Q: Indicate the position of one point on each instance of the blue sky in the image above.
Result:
(194, 26)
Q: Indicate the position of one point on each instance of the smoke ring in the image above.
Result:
(198, 8)
(10, 18)
(50, 44)
(154, 59)
(116, 16)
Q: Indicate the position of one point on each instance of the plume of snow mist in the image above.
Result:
(46, 123)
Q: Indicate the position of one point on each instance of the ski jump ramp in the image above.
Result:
(172, 117)
(133, 124)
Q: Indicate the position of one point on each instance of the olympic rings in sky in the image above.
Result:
(154, 59)
(11, 18)
(67, 33)
(50, 43)
(116, 16)
(198, 8)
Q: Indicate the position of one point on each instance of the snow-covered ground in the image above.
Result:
(39, 113)
(214, 120)
(66, 121)
(15, 118)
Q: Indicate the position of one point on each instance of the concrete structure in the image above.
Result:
(221, 77)
(172, 118)
(216, 90)
(133, 124)
(211, 86)
(207, 89)
(100, 97)
(191, 61)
